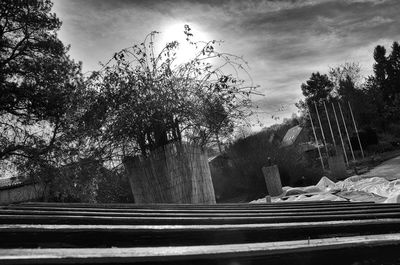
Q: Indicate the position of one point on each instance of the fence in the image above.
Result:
(175, 173)
(22, 193)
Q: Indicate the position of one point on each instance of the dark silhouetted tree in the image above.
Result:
(393, 71)
(387, 79)
(38, 86)
(380, 67)
(316, 89)
(351, 71)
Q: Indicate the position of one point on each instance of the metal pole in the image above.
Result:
(316, 140)
(322, 129)
(330, 127)
(340, 134)
(347, 132)
(355, 126)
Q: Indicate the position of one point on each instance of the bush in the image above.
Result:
(250, 154)
(394, 129)
(380, 148)
(88, 181)
(113, 188)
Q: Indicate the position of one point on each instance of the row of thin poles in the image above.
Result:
(331, 131)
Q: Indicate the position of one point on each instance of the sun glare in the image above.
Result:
(175, 32)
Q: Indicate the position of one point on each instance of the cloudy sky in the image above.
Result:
(283, 41)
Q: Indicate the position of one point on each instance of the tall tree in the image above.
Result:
(387, 80)
(393, 70)
(380, 68)
(349, 88)
(362, 105)
(38, 84)
(316, 89)
(346, 71)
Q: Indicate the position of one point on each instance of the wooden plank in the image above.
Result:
(249, 210)
(190, 253)
(178, 228)
(31, 236)
(174, 204)
(142, 235)
(275, 213)
(80, 219)
(195, 206)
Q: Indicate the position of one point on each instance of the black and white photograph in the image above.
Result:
(226, 132)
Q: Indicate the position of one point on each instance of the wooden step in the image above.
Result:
(284, 233)
(30, 236)
(263, 252)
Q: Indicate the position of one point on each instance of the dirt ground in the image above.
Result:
(371, 162)
(389, 169)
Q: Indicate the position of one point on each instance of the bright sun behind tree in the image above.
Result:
(175, 32)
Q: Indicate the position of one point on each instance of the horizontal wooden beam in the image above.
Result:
(177, 228)
(30, 235)
(191, 253)
(193, 206)
(275, 213)
(207, 210)
(184, 220)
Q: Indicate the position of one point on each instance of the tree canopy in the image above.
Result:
(387, 79)
(38, 84)
(375, 100)
(152, 100)
(317, 88)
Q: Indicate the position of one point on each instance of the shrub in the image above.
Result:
(250, 154)
(88, 181)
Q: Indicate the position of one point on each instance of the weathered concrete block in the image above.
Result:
(273, 180)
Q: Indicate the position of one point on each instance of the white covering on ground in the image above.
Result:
(356, 188)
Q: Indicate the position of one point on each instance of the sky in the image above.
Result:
(283, 41)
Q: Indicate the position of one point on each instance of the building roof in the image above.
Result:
(291, 135)
(305, 147)
(7, 183)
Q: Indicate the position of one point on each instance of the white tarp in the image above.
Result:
(356, 188)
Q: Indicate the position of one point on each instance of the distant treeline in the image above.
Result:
(375, 99)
